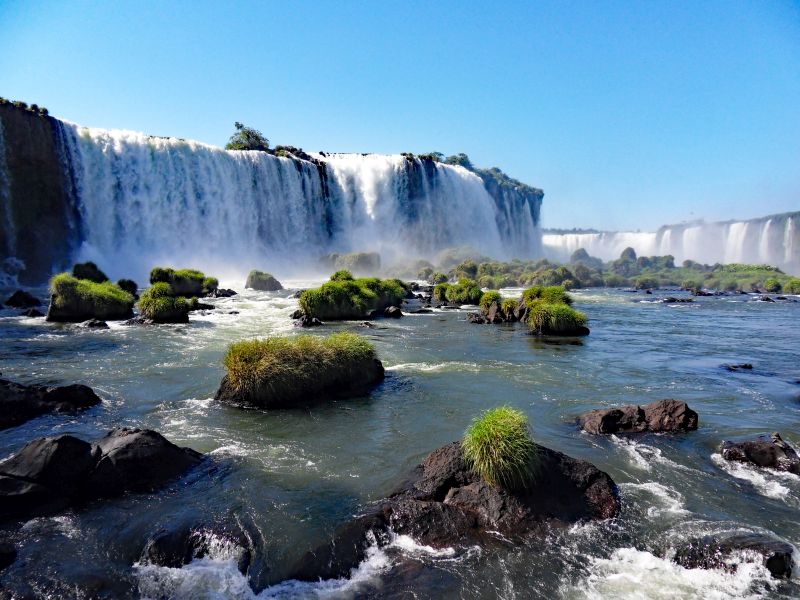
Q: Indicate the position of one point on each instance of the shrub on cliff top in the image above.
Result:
(342, 275)
(88, 270)
(159, 304)
(247, 138)
(74, 300)
(351, 298)
(498, 447)
(285, 371)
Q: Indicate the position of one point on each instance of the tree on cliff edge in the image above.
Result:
(247, 138)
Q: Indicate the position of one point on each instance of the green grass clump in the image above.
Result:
(281, 370)
(184, 282)
(440, 291)
(490, 297)
(466, 291)
(351, 298)
(508, 306)
(498, 447)
(210, 285)
(553, 294)
(646, 283)
(772, 285)
(792, 285)
(74, 299)
(548, 318)
(436, 278)
(158, 304)
(342, 275)
(90, 271)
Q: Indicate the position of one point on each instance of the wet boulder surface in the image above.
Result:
(444, 503)
(20, 403)
(659, 416)
(715, 552)
(768, 451)
(51, 474)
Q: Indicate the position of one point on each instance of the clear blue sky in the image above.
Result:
(627, 114)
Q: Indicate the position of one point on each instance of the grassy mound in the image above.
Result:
(346, 298)
(466, 291)
(264, 282)
(553, 294)
(183, 282)
(549, 312)
(498, 447)
(490, 297)
(291, 371)
(75, 300)
(159, 304)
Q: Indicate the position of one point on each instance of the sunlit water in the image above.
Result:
(290, 477)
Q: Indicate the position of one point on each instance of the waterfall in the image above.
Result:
(146, 200)
(771, 240)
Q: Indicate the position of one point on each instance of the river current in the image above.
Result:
(290, 477)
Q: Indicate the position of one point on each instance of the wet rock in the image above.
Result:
(94, 324)
(140, 320)
(306, 321)
(771, 452)
(674, 300)
(298, 293)
(366, 324)
(50, 474)
(263, 282)
(393, 312)
(445, 504)
(475, 318)
(659, 416)
(23, 299)
(179, 545)
(422, 311)
(298, 314)
(764, 299)
(32, 313)
(20, 403)
(220, 293)
(201, 306)
(739, 367)
(712, 552)
(8, 554)
(701, 293)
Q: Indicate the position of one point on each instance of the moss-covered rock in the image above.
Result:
(466, 291)
(264, 282)
(183, 282)
(74, 300)
(347, 298)
(548, 318)
(159, 305)
(280, 372)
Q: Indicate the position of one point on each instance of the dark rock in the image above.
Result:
(23, 299)
(366, 324)
(393, 312)
(306, 321)
(220, 293)
(233, 312)
(202, 306)
(20, 403)
(711, 552)
(771, 452)
(140, 320)
(94, 324)
(476, 318)
(51, 474)
(90, 271)
(32, 313)
(445, 504)
(701, 293)
(298, 293)
(659, 416)
(263, 282)
(177, 546)
(298, 314)
(8, 554)
(422, 311)
(373, 314)
(739, 367)
(648, 292)
(764, 299)
(674, 300)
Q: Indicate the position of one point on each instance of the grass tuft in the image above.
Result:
(490, 297)
(158, 304)
(498, 447)
(549, 318)
(344, 298)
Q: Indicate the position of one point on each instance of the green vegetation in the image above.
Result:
(466, 291)
(74, 299)
(553, 294)
(88, 270)
(265, 282)
(33, 108)
(772, 285)
(159, 304)
(499, 448)
(247, 138)
(792, 285)
(346, 298)
(183, 282)
(490, 297)
(289, 370)
(545, 318)
(129, 286)
(440, 292)
(210, 285)
(436, 278)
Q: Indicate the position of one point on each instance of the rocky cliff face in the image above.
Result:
(38, 223)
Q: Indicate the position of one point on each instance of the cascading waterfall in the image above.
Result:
(146, 200)
(770, 240)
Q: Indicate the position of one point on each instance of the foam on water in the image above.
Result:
(667, 500)
(768, 482)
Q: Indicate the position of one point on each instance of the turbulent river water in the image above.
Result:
(290, 477)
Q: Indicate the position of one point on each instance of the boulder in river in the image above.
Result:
(712, 552)
(32, 313)
(51, 474)
(20, 403)
(263, 282)
(771, 452)
(23, 299)
(94, 324)
(445, 503)
(393, 312)
(177, 545)
(659, 416)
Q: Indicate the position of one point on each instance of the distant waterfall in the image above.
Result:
(146, 200)
(771, 240)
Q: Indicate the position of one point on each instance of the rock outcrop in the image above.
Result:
(263, 282)
(771, 452)
(711, 552)
(51, 474)
(445, 504)
(178, 545)
(20, 403)
(658, 416)
(23, 299)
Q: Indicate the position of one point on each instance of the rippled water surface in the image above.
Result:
(290, 477)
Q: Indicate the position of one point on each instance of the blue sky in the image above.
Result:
(628, 114)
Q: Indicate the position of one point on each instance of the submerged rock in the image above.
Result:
(20, 403)
(94, 324)
(32, 313)
(179, 545)
(393, 312)
(659, 416)
(739, 367)
(712, 553)
(306, 321)
(444, 504)
(51, 474)
(23, 299)
(220, 293)
(771, 452)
